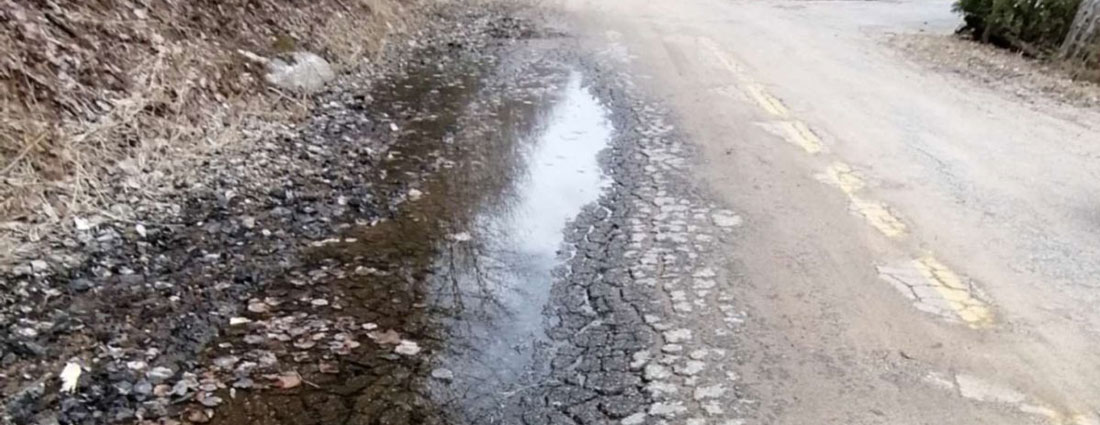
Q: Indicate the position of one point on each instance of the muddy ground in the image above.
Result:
(475, 236)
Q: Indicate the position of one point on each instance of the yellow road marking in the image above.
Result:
(876, 214)
(723, 58)
(841, 175)
(879, 216)
(958, 295)
(766, 101)
(798, 133)
(755, 91)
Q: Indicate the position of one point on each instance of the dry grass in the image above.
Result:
(108, 105)
(1033, 80)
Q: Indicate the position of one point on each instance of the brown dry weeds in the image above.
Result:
(109, 105)
(1013, 74)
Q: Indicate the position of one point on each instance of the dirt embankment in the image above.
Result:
(132, 284)
(108, 108)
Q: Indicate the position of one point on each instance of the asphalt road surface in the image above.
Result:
(915, 250)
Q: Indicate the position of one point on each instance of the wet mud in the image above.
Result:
(448, 309)
(513, 242)
(543, 263)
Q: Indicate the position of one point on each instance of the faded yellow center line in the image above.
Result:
(796, 133)
(723, 58)
(952, 292)
(766, 101)
(955, 292)
(978, 389)
(804, 137)
(877, 214)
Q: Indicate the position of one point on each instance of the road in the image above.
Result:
(700, 212)
(915, 249)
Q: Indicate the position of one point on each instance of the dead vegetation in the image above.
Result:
(1011, 73)
(107, 106)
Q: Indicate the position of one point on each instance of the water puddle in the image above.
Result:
(503, 268)
(436, 313)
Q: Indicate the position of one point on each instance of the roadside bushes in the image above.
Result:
(1035, 27)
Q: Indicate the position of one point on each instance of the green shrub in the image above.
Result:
(1036, 27)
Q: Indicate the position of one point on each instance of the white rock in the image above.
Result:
(678, 335)
(726, 219)
(667, 410)
(443, 374)
(305, 72)
(81, 224)
(234, 321)
(635, 419)
(69, 377)
(406, 347)
(654, 372)
(39, 265)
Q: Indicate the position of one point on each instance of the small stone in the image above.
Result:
(243, 383)
(159, 373)
(406, 347)
(234, 321)
(319, 302)
(162, 390)
(211, 401)
(654, 372)
(226, 362)
(39, 266)
(667, 410)
(196, 416)
(726, 219)
(328, 367)
(136, 365)
(443, 374)
(143, 388)
(691, 368)
(635, 419)
(288, 380)
(678, 335)
(390, 336)
(81, 224)
(257, 307)
(80, 285)
(713, 391)
(183, 386)
(415, 194)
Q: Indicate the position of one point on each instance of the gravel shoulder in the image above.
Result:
(135, 301)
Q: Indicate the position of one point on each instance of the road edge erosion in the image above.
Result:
(144, 292)
(113, 110)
